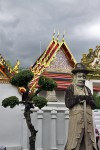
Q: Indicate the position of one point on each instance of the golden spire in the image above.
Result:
(63, 36)
(57, 36)
(16, 67)
(53, 34)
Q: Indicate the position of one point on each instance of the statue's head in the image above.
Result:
(79, 72)
(79, 79)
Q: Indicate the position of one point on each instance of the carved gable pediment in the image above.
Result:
(3, 77)
(59, 63)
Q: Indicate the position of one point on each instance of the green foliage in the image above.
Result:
(11, 101)
(47, 84)
(22, 78)
(39, 101)
(97, 100)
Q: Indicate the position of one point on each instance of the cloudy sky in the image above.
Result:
(27, 24)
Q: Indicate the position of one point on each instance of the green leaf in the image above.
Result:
(11, 101)
(97, 100)
(22, 78)
(47, 84)
(39, 101)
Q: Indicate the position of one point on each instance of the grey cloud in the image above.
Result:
(28, 22)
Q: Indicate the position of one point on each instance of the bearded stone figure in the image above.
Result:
(80, 102)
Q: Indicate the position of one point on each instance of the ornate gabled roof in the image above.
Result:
(92, 62)
(6, 72)
(46, 59)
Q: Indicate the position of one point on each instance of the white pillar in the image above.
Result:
(25, 133)
(66, 124)
(89, 84)
(53, 129)
(39, 134)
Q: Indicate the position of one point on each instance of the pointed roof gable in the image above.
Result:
(6, 72)
(44, 61)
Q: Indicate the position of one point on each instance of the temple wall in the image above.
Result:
(10, 120)
(51, 123)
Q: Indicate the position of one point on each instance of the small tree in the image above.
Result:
(97, 100)
(29, 100)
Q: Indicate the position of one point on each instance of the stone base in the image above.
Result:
(51, 96)
(54, 148)
(15, 148)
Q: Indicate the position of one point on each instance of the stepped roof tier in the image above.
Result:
(92, 62)
(6, 71)
(56, 62)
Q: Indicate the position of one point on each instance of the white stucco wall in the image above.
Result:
(10, 119)
(14, 133)
(51, 123)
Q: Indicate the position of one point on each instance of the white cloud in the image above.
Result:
(88, 30)
(93, 31)
(6, 17)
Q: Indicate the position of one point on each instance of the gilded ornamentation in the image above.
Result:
(89, 58)
(60, 63)
(16, 67)
(92, 62)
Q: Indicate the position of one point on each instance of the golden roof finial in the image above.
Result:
(16, 67)
(57, 36)
(53, 34)
(63, 36)
(90, 50)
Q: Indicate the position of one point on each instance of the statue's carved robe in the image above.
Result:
(76, 120)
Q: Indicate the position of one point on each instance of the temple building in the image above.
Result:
(56, 62)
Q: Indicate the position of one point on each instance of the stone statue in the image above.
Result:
(80, 102)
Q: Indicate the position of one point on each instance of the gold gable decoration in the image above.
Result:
(92, 62)
(6, 71)
(60, 63)
(3, 77)
(16, 67)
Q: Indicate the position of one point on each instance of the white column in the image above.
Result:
(53, 129)
(89, 84)
(66, 124)
(39, 134)
(25, 132)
